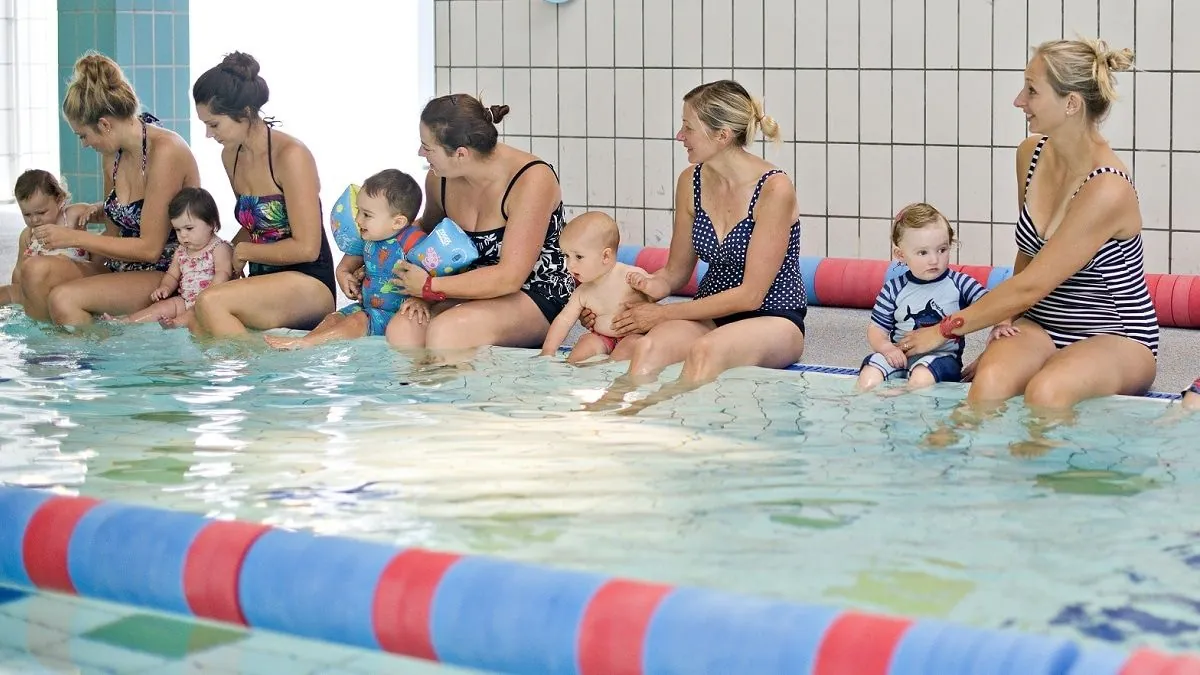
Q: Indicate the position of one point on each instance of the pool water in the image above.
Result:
(776, 483)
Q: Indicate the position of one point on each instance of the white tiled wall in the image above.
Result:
(881, 102)
(28, 93)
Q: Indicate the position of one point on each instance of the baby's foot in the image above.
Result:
(168, 323)
(284, 341)
(109, 317)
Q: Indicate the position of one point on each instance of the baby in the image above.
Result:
(201, 260)
(42, 200)
(387, 205)
(922, 296)
(589, 242)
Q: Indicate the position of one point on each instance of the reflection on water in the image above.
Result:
(777, 483)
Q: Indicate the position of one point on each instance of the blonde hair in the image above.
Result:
(1086, 67)
(725, 104)
(98, 89)
(916, 216)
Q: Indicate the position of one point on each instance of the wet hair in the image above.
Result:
(916, 216)
(725, 104)
(1086, 67)
(462, 121)
(34, 181)
(232, 88)
(199, 203)
(597, 227)
(98, 88)
(402, 192)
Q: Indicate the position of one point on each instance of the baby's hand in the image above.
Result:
(651, 286)
(415, 308)
(896, 357)
(160, 293)
(1003, 329)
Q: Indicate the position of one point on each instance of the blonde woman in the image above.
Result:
(1086, 324)
(738, 213)
(145, 166)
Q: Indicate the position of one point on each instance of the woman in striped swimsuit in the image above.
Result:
(1087, 325)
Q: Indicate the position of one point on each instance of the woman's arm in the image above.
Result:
(1097, 214)
(166, 172)
(222, 264)
(773, 218)
(297, 173)
(681, 256)
(530, 204)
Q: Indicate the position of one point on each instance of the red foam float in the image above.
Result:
(403, 598)
(1162, 299)
(213, 567)
(614, 626)
(1181, 308)
(1149, 662)
(979, 273)
(48, 540)
(859, 644)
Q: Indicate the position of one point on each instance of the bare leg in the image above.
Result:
(648, 354)
(120, 293)
(39, 275)
(336, 326)
(169, 309)
(1191, 401)
(920, 378)
(868, 378)
(589, 345)
(10, 295)
(276, 300)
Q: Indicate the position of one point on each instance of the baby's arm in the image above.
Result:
(22, 244)
(170, 280)
(562, 325)
(222, 263)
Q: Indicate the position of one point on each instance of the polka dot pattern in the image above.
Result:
(727, 258)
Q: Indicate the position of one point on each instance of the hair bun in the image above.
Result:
(241, 65)
(97, 69)
(1119, 59)
(497, 113)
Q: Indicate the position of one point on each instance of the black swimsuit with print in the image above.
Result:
(549, 285)
(128, 217)
(265, 218)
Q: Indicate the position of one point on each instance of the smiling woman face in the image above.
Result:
(1044, 109)
(700, 142)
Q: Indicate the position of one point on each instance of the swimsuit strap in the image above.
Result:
(758, 190)
(511, 183)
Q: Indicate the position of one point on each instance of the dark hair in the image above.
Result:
(34, 181)
(198, 202)
(461, 121)
(402, 192)
(234, 88)
(98, 89)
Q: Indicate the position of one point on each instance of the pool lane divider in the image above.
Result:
(488, 613)
(855, 282)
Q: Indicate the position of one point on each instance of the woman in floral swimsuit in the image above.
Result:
(290, 282)
(102, 109)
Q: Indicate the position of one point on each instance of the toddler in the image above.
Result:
(589, 242)
(201, 260)
(387, 205)
(42, 200)
(922, 296)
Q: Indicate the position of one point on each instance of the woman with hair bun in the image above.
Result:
(738, 213)
(274, 177)
(102, 109)
(1086, 323)
(510, 205)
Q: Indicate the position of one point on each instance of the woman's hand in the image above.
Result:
(922, 340)
(77, 216)
(239, 260)
(55, 236)
(410, 278)
(638, 318)
(587, 318)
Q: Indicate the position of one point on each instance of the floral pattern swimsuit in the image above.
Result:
(196, 270)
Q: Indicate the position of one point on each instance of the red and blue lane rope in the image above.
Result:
(488, 613)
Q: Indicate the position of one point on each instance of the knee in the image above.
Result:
(61, 303)
(1051, 392)
(208, 301)
(402, 332)
(450, 331)
(32, 274)
(703, 360)
(992, 381)
(642, 360)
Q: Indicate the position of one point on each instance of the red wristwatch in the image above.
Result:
(948, 324)
(427, 292)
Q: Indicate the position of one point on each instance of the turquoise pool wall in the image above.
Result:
(149, 39)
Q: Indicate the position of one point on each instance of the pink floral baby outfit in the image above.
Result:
(196, 270)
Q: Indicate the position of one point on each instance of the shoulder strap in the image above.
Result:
(758, 190)
(271, 162)
(1037, 152)
(511, 183)
(1104, 169)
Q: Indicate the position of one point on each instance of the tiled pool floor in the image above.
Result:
(52, 633)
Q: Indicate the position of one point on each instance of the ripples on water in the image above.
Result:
(776, 483)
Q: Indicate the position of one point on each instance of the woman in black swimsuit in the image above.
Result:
(144, 167)
(274, 177)
(510, 204)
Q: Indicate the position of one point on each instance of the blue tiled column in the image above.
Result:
(149, 39)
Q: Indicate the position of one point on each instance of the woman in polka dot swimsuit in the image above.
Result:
(739, 214)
